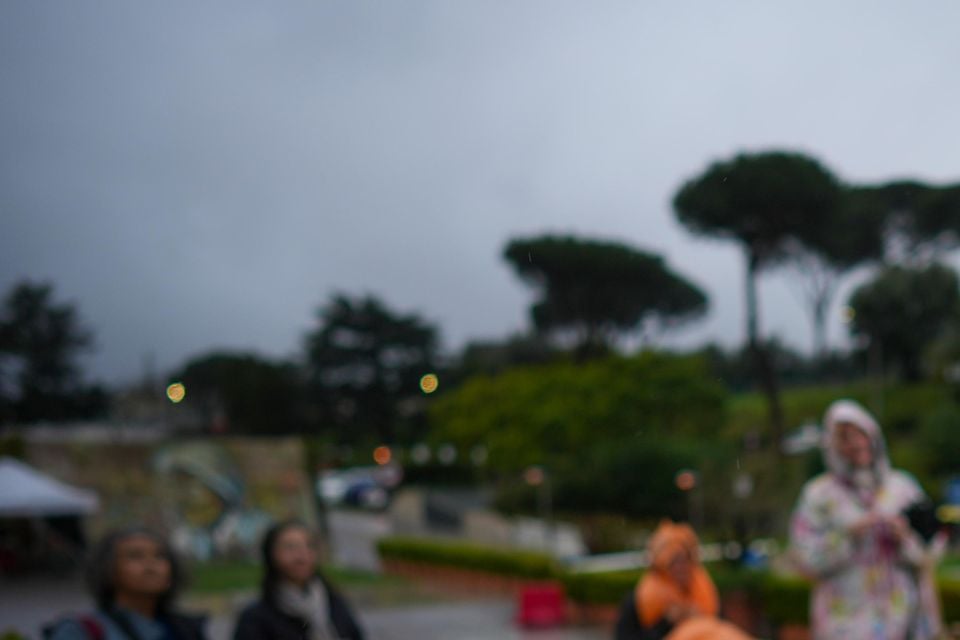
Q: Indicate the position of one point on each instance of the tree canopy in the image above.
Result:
(364, 364)
(902, 310)
(243, 393)
(921, 220)
(612, 432)
(532, 415)
(939, 219)
(853, 236)
(597, 289)
(766, 202)
(41, 342)
(761, 200)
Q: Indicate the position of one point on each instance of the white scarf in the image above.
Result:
(311, 604)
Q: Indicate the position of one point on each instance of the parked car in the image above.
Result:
(361, 487)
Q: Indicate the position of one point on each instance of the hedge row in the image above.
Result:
(950, 599)
(507, 562)
(782, 600)
(599, 588)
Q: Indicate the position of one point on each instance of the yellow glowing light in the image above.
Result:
(429, 383)
(176, 392)
(382, 455)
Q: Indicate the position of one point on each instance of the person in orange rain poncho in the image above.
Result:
(675, 599)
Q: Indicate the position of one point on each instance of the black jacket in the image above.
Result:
(188, 627)
(629, 627)
(93, 626)
(263, 620)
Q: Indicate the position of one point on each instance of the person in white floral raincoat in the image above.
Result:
(873, 575)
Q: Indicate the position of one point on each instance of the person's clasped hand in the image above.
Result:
(679, 612)
(894, 526)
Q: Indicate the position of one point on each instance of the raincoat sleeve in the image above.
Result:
(819, 544)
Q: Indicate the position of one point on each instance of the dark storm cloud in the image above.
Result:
(199, 176)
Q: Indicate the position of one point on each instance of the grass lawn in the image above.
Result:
(224, 586)
(220, 577)
(226, 576)
(950, 567)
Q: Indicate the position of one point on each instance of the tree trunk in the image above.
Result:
(312, 464)
(819, 308)
(594, 344)
(876, 373)
(751, 292)
(766, 375)
(819, 279)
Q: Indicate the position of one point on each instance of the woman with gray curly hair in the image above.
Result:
(134, 578)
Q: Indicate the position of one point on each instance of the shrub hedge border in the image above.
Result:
(500, 561)
(783, 600)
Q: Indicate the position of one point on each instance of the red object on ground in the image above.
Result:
(541, 605)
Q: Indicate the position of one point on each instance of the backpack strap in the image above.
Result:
(123, 622)
(92, 627)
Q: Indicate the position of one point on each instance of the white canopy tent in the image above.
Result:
(27, 493)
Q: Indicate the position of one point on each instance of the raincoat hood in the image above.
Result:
(657, 590)
(850, 412)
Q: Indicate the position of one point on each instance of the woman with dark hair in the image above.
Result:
(296, 601)
(133, 576)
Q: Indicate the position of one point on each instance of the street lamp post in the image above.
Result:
(688, 481)
(537, 477)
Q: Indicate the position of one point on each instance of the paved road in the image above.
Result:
(353, 538)
(485, 620)
(26, 604)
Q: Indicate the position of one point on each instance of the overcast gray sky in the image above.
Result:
(203, 175)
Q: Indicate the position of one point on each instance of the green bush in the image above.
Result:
(940, 438)
(544, 414)
(610, 533)
(950, 599)
(583, 485)
(587, 484)
(587, 423)
(610, 587)
(508, 562)
(436, 474)
(729, 577)
(226, 576)
(216, 577)
(784, 600)
(902, 407)
(907, 406)
(600, 588)
(12, 445)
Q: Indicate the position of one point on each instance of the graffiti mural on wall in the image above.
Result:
(206, 501)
